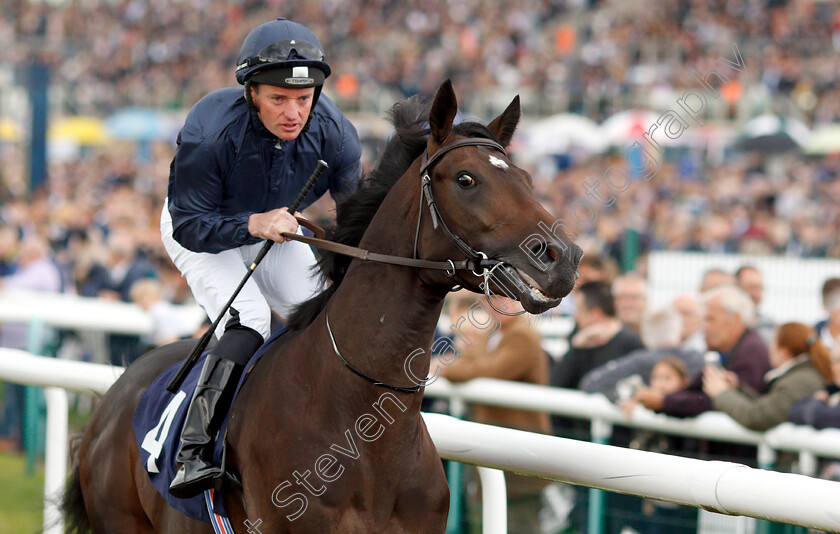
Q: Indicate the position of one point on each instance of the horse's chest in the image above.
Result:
(353, 485)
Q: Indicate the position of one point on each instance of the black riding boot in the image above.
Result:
(207, 410)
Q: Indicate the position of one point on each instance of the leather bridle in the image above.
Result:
(476, 262)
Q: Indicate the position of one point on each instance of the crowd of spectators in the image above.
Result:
(588, 56)
(143, 54)
(742, 205)
(789, 374)
(96, 227)
(704, 351)
(94, 230)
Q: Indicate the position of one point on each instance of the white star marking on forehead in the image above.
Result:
(496, 162)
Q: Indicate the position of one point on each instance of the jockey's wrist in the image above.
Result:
(255, 224)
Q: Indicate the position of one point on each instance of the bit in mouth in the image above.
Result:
(535, 290)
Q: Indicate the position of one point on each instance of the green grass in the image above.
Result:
(21, 496)
(76, 420)
(21, 499)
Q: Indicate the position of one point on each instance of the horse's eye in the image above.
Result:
(465, 181)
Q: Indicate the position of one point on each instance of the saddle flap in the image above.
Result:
(157, 424)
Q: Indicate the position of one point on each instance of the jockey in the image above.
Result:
(241, 159)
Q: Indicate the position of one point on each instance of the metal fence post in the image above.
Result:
(55, 458)
(767, 460)
(454, 474)
(601, 432)
(31, 398)
(493, 501)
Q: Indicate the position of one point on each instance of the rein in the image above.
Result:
(477, 262)
(366, 255)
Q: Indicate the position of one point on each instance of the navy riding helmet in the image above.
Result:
(282, 53)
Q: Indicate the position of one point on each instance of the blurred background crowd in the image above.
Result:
(593, 77)
(597, 59)
(587, 56)
(710, 349)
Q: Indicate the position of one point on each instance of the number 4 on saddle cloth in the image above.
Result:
(157, 424)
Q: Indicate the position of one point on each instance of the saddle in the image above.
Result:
(160, 416)
(157, 425)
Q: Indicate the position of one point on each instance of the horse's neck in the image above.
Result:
(383, 318)
(382, 315)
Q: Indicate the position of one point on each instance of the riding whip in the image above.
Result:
(176, 381)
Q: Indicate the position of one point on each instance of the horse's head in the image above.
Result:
(488, 202)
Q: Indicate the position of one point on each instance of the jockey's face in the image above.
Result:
(282, 110)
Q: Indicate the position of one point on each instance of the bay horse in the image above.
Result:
(301, 406)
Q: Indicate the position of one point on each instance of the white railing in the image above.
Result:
(25, 368)
(56, 376)
(722, 487)
(719, 486)
(73, 312)
(97, 315)
(597, 408)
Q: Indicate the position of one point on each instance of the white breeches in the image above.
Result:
(283, 279)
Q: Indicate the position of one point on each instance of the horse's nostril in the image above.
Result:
(547, 254)
(537, 250)
(552, 253)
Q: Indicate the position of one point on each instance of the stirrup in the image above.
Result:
(185, 489)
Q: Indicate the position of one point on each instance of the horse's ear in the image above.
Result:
(442, 114)
(505, 124)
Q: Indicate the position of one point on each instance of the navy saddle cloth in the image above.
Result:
(158, 421)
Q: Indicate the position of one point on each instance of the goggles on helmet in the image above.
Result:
(282, 51)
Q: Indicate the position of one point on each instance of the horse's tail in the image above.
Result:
(72, 501)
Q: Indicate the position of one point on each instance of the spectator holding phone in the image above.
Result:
(661, 333)
(728, 313)
(800, 367)
(669, 375)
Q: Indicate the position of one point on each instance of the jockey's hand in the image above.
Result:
(271, 224)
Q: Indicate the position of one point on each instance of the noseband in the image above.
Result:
(480, 264)
(477, 262)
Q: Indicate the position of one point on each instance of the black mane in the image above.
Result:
(353, 215)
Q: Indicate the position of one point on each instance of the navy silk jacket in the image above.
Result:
(227, 165)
